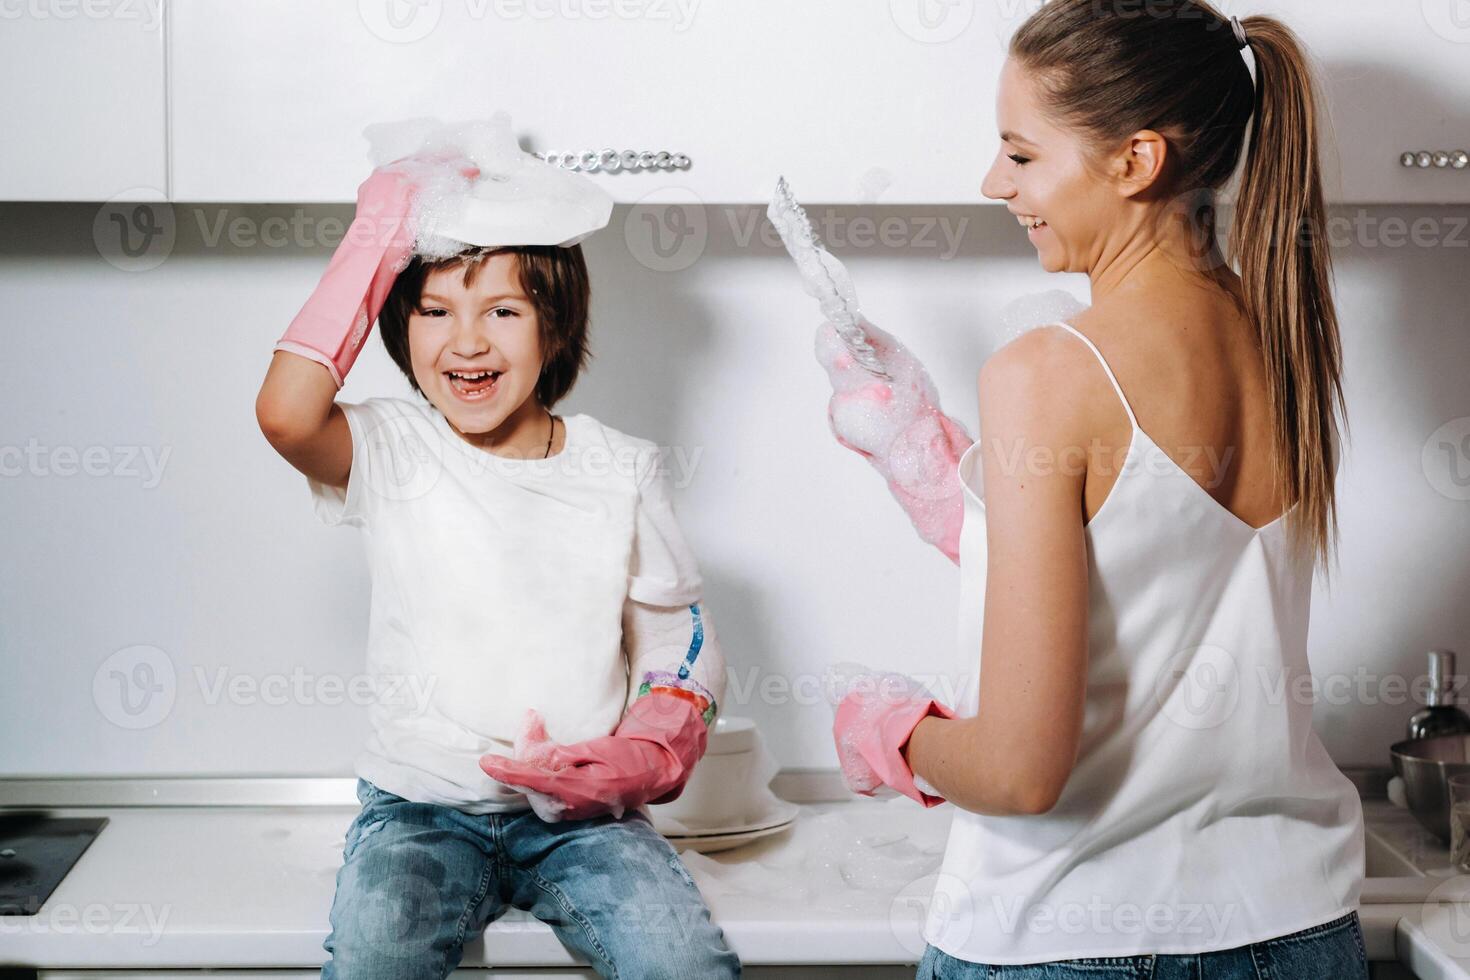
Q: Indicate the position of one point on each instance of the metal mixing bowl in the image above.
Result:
(1426, 764)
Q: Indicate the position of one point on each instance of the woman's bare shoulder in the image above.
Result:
(1045, 372)
(1039, 352)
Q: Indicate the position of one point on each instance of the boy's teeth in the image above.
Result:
(473, 383)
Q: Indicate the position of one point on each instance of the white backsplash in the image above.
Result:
(193, 537)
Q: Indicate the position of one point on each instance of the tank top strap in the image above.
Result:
(1107, 370)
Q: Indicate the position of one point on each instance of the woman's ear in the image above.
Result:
(1140, 163)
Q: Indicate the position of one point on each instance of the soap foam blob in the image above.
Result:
(897, 425)
(838, 859)
(884, 405)
(514, 199)
(881, 690)
(1036, 309)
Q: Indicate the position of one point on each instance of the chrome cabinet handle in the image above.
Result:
(612, 160)
(1457, 159)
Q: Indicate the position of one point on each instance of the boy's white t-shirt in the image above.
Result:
(498, 585)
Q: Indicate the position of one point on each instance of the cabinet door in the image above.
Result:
(853, 100)
(83, 113)
(1396, 78)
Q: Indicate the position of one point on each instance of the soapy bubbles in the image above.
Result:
(864, 859)
(889, 687)
(473, 184)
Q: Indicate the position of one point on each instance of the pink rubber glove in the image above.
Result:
(873, 724)
(897, 426)
(333, 325)
(647, 759)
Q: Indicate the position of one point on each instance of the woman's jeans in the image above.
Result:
(1331, 951)
(419, 879)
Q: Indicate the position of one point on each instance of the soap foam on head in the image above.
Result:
(513, 187)
(409, 145)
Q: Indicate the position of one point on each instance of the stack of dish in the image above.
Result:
(727, 800)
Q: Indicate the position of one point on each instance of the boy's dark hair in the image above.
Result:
(555, 279)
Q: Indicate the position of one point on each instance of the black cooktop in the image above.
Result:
(36, 852)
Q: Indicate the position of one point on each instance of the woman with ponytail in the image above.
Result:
(1139, 791)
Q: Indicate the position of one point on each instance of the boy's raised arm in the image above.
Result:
(298, 414)
(295, 407)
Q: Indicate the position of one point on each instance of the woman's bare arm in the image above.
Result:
(1016, 754)
(298, 414)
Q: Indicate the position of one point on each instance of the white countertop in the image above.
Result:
(251, 887)
(1414, 903)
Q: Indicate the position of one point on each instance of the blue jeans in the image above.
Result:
(418, 879)
(1331, 951)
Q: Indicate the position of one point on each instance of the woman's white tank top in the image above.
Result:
(1203, 812)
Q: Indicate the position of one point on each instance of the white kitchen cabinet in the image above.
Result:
(853, 100)
(270, 98)
(1396, 79)
(84, 107)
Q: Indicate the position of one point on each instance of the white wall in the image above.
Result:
(222, 567)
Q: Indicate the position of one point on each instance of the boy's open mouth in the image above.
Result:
(473, 385)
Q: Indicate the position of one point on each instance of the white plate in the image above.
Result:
(778, 813)
(709, 843)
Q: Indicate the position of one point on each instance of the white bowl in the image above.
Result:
(729, 785)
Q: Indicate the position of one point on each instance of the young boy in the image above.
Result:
(529, 578)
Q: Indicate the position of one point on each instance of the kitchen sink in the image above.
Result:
(1405, 863)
